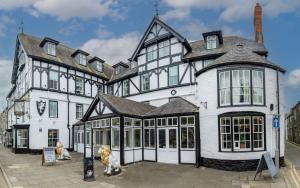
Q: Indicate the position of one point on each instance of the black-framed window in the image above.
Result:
(242, 133)
(164, 48)
(53, 80)
(110, 89)
(149, 133)
(53, 109)
(79, 111)
(187, 130)
(53, 137)
(145, 82)
(241, 86)
(152, 52)
(79, 85)
(126, 87)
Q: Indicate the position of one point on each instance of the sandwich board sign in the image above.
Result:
(266, 161)
(48, 155)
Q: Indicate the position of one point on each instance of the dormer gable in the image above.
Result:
(213, 39)
(49, 46)
(119, 67)
(97, 63)
(80, 56)
(158, 31)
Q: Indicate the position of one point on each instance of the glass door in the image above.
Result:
(167, 148)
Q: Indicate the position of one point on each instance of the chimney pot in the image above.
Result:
(258, 24)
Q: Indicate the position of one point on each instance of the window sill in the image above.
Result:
(243, 105)
(242, 151)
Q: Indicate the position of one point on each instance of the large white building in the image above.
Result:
(204, 102)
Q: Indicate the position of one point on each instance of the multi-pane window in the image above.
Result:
(79, 111)
(53, 80)
(257, 87)
(164, 48)
(101, 88)
(242, 133)
(225, 133)
(236, 88)
(173, 75)
(149, 133)
(79, 83)
(172, 121)
(110, 89)
(53, 109)
(145, 82)
(152, 53)
(224, 88)
(258, 132)
(187, 132)
(22, 138)
(52, 137)
(50, 48)
(211, 42)
(161, 122)
(241, 86)
(115, 134)
(88, 134)
(81, 58)
(126, 87)
(99, 66)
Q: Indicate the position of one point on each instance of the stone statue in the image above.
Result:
(62, 152)
(112, 165)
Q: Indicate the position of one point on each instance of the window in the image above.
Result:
(137, 137)
(242, 133)
(79, 111)
(50, 48)
(115, 134)
(52, 137)
(172, 121)
(53, 80)
(79, 85)
(173, 75)
(149, 133)
(53, 108)
(128, 137)
(126, 87)
(241, 86)
(161, 122)
(240, 91)
(118, 70)
(211, 42)
(81, 58)
(22, 138)
(258, 87)
(164, 48)
(110, 89)
(99, 66)
(101, 88)
(145, 82)
(151, 53)
(187, 132)
(224, 88)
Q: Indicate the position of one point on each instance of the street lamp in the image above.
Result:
(88, 161)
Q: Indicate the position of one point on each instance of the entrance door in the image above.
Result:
(167, 145)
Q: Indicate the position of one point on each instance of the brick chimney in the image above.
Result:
(258, 24)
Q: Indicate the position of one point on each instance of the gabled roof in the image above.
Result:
(176, 106)
(156, 20)
(63, 57)
(241, 54)
(217, 33)
(79, 51)
(48, 39)
(121, 63)
(96, 59)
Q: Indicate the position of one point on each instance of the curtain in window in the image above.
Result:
(241, 86)
(224, 88)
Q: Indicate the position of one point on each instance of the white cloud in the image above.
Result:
(181, 13)
(71, 28)
(103, 33)
(5, 21)
(293, 79)
(66, 9)
(114, 49)
(5, 86)
(233, 10)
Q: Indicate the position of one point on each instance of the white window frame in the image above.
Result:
(187, 126)
(115, 127)
(224, 88)
(126, 87)
(261, 132)
(99, 66)
(79, 114)
(240, 133)
(79, 85)
(151, 53)
(258, 87)
(145, 82)
(53, 80)
(211, 42)
(224, 134)
(151, 129)
(81, 58)
(174, 121)
(173, 76)
(55, 111)
(50, 48)
(241, 86)
(164, 48)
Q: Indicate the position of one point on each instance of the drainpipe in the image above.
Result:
(277, 151)
(68, 98)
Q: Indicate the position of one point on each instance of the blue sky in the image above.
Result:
(111, 29)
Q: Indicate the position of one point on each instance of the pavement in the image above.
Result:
(26, 171)
(292, 156)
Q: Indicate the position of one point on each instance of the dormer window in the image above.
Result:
(99, 66)
(211, 42)
(118, 70)
(81, 58)
(50, 48)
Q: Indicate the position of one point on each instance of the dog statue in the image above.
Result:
(59, 150)
(112, 165)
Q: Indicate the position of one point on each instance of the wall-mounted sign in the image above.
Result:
(276, 122)
(41, 106)
(48, 156)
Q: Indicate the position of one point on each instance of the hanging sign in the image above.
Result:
(266, 162)
(48, 155)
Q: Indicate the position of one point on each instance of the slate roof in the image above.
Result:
(63, 56)
(126, 72)
(199, 47)
(176, 106)
(126, 106)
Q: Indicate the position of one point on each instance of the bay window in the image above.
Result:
(115, 134)
(242, 133)
(187, 131)
(241, 87)
(149, 133)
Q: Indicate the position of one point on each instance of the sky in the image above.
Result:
(111, 29)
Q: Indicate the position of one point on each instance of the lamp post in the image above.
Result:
(88, 161)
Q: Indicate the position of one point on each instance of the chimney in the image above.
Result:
(258, 24)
